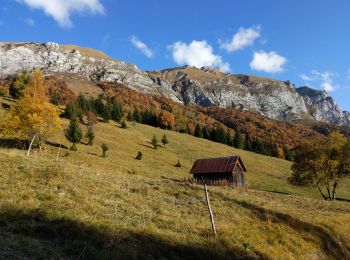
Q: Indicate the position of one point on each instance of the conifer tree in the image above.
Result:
(74, 133)
(247, 142)
(238, 140)
(104, 148)
(206, 133)
(117, 111)
(20, 84)
(130, 116)
(198, 131)
(287, 154)
(165, 140)
(154, 142)
(90, 135)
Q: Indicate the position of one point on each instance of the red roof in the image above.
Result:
(216, 165)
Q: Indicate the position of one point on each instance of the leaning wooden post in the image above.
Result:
(58, 153)
(210, 211)
(30, 146)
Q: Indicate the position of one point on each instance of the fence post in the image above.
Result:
(210, 211)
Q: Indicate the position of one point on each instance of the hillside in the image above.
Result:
(206, 87)
(84, 206)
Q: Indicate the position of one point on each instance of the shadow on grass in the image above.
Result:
(34, 234)
(331, 244)
(13, 143)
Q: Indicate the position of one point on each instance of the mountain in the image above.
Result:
(206, 87)
(323, 108)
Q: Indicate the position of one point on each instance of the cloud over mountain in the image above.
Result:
(198, 54)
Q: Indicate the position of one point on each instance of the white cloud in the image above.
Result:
(326, 78)
(269, 62)
(29, 22)
(61, 10)
(142, 47)
(198, 54)
(243, 38)
(306, 77)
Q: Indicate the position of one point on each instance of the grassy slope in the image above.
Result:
(88, 206)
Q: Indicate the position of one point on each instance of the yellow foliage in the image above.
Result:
(32, 114)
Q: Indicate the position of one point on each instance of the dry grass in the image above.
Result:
(86, 206)
(87, 52)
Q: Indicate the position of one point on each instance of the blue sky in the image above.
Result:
(307, 42)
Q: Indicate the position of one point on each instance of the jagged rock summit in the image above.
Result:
(71, 59)
(189, 85)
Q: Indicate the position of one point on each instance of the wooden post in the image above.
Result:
(30, 146)
(58, 153)
(210, 211)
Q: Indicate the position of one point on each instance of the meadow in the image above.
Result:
(83, 206)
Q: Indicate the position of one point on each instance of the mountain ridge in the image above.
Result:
(204, 86)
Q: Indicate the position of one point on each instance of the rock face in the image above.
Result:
(207, 87)
(53, 58)
(323, 108)
(189, 85)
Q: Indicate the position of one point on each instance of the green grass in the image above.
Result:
(86, 206)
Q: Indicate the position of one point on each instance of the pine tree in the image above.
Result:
(130, 116)
(90, 135)
(198, 132)
(73, 110)
(154, 142)
(221, 135)
(287, 154)
(206, 133)
(107, 112)
(74, 133)
(98, 105)
(117, 111)
(137, 116)
(104, 148)
(238, 140)
(248, 142)
(229, 139)
(20, 84)
(165, 140)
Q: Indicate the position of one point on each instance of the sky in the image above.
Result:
(304, 41)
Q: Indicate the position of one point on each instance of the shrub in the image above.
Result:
(104, 149)
(165, 140)
(123, 125)
(139, 155)
(154, 142)
(178, 164)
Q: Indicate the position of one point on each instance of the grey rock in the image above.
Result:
(322, 107)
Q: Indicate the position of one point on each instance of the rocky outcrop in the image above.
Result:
(322, 107)
(53, 58)
(189, 85)
(207, 87)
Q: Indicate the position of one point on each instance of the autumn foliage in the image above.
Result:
(32, 115)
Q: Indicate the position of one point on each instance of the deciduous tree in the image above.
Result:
(323, 164)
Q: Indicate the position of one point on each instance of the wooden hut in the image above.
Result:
(230, 169)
